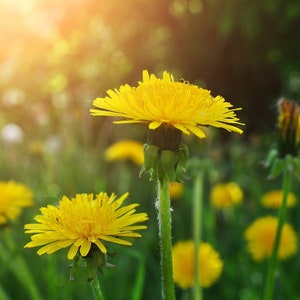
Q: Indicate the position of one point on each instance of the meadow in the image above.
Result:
(51, 144)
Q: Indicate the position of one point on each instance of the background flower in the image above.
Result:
(82, 221)
(226, 194)
(13, 197)
(261, 236)
(176, 189)
(273, 199)
(124, 150)
(210, 264)
(166, 102)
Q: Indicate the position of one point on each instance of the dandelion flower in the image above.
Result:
(273, 199)
(261, 236)
(226, 195)
(126, 149)
(83, 222)
(210, 264)
(164, 102)
(13, 197)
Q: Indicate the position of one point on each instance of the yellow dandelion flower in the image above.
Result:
(126, 149)
(84, 221)
(226, 194)
(261, 236)
(273, 199)
(13, 197)
(176, 189)
(165, 102)
(210, 264)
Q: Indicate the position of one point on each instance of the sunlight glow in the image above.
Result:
(24, 6)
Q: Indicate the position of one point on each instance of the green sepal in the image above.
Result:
(165, 163)
(74, 267)
(94, 261)
(182, 157)
(279, 165)
(91, 268)
(99, 260)
(296, 163)
(168, 164)
(273, 154)
(151, 153)
(277, 168)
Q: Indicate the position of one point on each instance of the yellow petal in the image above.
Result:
(72, 251)
(85, 247)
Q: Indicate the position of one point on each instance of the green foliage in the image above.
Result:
(57, 56)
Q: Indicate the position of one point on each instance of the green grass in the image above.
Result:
(80, 167)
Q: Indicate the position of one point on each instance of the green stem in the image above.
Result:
(164, 219)
(52, 277)
(269, 287)
(197, 230)
(139, 280)
(96, 288)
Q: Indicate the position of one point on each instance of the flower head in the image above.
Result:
(83, 222)
(126, 149)
(13, 196)
(273, 199)
(210, 264)
(225, 195)
(164, 102)
(261, 236)
(289, 127)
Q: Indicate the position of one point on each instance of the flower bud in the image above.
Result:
(289, 127)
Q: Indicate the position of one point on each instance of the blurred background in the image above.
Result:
(57, 56)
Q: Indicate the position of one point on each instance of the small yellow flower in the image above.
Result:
(168, 103)
(126, 149)
(273, 199)
(84, 221)
(225, 195)
(13, 196)
(261, 236)
(210, 264)
(176, 189)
